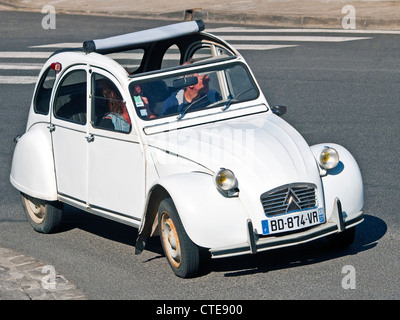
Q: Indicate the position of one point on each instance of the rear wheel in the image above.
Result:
(182, 254)
(44, 216)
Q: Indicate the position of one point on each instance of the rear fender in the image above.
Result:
(32, 168)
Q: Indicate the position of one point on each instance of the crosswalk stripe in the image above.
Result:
(292, 38)
(259, 30)
(60, 45)
(17, 79)
(25, 54)
(168, 57)
(242, 47)
(21, 66)
(45, 55)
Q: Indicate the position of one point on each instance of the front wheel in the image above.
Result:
(44, 216)
(182, 254)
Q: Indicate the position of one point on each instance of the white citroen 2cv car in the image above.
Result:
(167, 130)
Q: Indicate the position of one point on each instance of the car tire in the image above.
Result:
(343, 239)
(182, 254)
(44, 216)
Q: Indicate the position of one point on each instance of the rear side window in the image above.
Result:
(131, 60)
(172, 57)
(70, 101)
(42, 100)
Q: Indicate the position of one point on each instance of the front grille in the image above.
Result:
(289, 198)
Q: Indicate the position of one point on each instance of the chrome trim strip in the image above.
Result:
(115, 216)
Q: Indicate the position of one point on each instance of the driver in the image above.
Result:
(188, 95)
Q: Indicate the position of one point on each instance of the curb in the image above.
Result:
(316, 20)
(25, 278)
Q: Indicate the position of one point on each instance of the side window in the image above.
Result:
(131, 60)
(108, 108)
(203, 51)
(70, 101)
(172, 57)
(43, 93)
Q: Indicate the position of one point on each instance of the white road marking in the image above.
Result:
(67, 45)
(292, 38)
(25, 54)
(242, 46)
(17, 79)
(21, 66)
(253, 30)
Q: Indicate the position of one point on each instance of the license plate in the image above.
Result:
(293, 221)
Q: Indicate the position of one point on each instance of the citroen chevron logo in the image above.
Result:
(292, 201)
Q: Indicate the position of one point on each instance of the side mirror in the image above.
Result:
(184, 82)
(279, 110)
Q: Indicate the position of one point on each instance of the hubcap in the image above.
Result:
(170, 240)
(36, 209)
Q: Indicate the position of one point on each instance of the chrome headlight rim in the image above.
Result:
(225, 180)
(328, 158)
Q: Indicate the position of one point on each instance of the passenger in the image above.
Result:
(184, 97)
(118, 117)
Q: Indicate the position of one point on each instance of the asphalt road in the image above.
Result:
(345, 92)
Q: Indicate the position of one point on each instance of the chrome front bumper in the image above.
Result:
(337, 223)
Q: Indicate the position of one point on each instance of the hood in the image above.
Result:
(263, 150)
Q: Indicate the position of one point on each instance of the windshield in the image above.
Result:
(190, 91)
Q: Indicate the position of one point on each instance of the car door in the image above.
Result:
(69, 131)
(116, 164)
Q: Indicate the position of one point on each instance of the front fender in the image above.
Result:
(32, 168)
(344, 182)
(209, 218)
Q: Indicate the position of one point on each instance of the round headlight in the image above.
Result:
(329, 158)
(225, 179)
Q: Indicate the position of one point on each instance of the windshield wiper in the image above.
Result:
(229, 101)
(184, 110)
(226, 102)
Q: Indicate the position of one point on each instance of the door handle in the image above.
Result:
(89, 138)
(51, 127)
